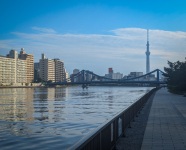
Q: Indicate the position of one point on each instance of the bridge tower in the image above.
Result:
(158, 75)
(83, 75)
(84, 79)
(147, 54)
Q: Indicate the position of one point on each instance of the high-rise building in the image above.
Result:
(46, 69)
(147, 54)
(7, 70)
(29, 65)
(14, 69)
(59, 70)
(51, 69)
(12, 54)
(21, 75)
(110, 70)
(67, 78)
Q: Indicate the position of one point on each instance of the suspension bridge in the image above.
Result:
(86, 77)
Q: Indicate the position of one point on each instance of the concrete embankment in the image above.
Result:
(163, 129)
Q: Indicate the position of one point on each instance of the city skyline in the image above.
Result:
(96, 35)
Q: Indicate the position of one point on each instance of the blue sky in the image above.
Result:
(95, 35)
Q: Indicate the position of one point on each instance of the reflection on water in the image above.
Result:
(15, 105)
(58, 115)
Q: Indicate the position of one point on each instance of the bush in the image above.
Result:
(176, 76)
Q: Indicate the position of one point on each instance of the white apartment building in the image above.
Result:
(46, 69)
(29, 65)
(51, 69)
(21, 75)
(7, 70)
(67, 78)
(13, 70)
(117, 75)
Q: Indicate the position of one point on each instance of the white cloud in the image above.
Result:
(44, 30)
(124, 49)
(130, 33)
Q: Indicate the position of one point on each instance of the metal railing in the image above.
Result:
(106, 136)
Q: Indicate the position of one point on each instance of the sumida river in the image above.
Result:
(56, 118)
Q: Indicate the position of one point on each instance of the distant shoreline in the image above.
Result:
(22, 86)
(31, 86)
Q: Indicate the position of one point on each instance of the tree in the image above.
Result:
(176, 76)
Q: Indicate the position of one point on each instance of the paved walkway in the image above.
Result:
(166, 126)
(163, 129)
(134, 136)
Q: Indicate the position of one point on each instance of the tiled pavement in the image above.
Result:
(134, 136)
(166, 126)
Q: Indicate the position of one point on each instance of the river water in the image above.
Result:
(56, 118)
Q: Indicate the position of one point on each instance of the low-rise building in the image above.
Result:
(75, 71)
(113, 75)
(117, 75)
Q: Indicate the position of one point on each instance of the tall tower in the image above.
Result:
(147, 54)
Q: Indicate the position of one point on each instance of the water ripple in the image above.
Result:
(56, 118)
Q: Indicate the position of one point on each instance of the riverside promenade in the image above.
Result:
(163, 129)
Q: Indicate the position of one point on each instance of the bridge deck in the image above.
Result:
(87, 77)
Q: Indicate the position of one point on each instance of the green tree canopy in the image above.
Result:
(176, 76)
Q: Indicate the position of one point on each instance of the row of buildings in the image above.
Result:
(16, 68)
(51, 70)
(131, 75)
(19, 69)
(109, 75)
(113, 75)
